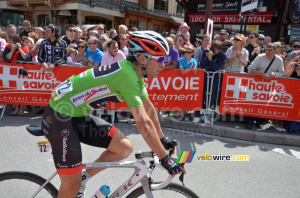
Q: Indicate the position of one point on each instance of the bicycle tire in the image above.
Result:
(23, 182)
(180, 191)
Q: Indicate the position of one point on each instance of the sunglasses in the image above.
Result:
(251, 37)
(237, 39)
(159, 59)
(296, 46)
(188, 52)
(79, 46)
(91, 43)
(71, 30)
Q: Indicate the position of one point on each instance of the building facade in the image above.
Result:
(157, 15)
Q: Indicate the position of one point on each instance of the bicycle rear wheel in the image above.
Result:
(172, 190)
(23, 184)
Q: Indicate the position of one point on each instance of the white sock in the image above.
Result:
(85, 177)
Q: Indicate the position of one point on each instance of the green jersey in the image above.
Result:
(81, 94)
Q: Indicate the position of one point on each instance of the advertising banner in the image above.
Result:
(248, 5)
(249, 95)
(169, 91)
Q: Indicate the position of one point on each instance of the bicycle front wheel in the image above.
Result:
(172, 190)
(23, 184)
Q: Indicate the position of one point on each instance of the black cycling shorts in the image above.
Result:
(65, 134)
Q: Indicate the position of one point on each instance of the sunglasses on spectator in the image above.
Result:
(159, 59)
(91, 43)
(80, 46)
(188, 52)
(237, 39)
(72, 30)
(251, 37)
(78, 32)
(296, 46)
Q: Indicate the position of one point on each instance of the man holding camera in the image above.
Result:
(211, 60)
(267, 65)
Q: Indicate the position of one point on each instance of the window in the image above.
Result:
(97, 20)
(161, 5)
(133, 23)
(180, 11)
(43, 20)
(7, 18)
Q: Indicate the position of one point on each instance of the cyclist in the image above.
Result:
(67, 120)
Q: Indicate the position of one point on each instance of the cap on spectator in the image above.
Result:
(294, 39)
(238, 37)
(198, 40)
(183, 24)
(278, 44)
(261, 36)
(216, 36)
(30, 39)
(296, 43)
(223, 32)
(94, 31)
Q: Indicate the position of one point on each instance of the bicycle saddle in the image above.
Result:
(35, 130)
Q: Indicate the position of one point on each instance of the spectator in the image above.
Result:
(281, 40)
(71, 57)
(181, 52)
(199, 50)
(171, 60)
(211, 60)
(101, 28)
(187, 63)
(253, 48)
(15, 50)
(293, 69)
(93, 33)
(283, 50)
(292, 40)
(26, 29)
(197, 42)
(112, 33)
(82, 47)
(294, 55)
(122, 44)
(268, 40)
(78, 34)
(113, 54)
(2, 45)
(28, 41)
(93, 55)
(184, 30)
(103, 39)
(121, 30)
(70, 37)
(53, 50)
(85, 33)
(296, 47)
(226, 43)
(237, 55)
(134, 29)
(278, 50)
(180, 41)
(260, 42)
(11, 29)
(268, 66)
(40, 32)
(223, 36)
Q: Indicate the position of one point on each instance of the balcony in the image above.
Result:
(30, 3)
(108, 4)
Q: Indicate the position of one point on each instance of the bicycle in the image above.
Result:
(32, 185)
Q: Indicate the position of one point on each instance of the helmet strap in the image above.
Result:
(142, 65)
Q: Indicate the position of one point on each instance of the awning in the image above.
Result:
(232, 18)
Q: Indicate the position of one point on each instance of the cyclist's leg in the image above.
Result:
(66, 149)
(98, 132)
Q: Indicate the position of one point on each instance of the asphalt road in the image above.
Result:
(272, 171)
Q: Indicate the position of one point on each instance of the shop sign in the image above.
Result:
(218, 6)
(295, 11)
(232, 18)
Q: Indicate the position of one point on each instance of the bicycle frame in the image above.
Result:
(141, 174)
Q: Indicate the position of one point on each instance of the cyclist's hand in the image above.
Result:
(169, 145)
(169, 164)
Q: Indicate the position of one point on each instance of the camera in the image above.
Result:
(15, 45)
(297, 64)
(208, 50)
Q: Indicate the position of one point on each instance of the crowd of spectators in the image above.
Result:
(232, 52)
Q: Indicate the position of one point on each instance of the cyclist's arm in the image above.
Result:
(150, 110)
(148, 130)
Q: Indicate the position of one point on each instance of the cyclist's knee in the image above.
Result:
(120, 145)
